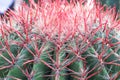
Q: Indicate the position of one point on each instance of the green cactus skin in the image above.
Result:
(41, 69)
(17, 73)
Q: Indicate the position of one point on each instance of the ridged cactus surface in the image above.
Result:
(57, 40)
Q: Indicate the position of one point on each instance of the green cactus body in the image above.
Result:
(59, 73)
(76, 66)
(41, 69)
(15, 72)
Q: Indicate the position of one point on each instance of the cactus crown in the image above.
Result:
(57, 40)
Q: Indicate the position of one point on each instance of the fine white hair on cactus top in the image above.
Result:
(17, 4)
(90, 4)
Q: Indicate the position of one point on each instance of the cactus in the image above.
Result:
(60, 40)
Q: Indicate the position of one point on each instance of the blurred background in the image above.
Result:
(112, 3)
